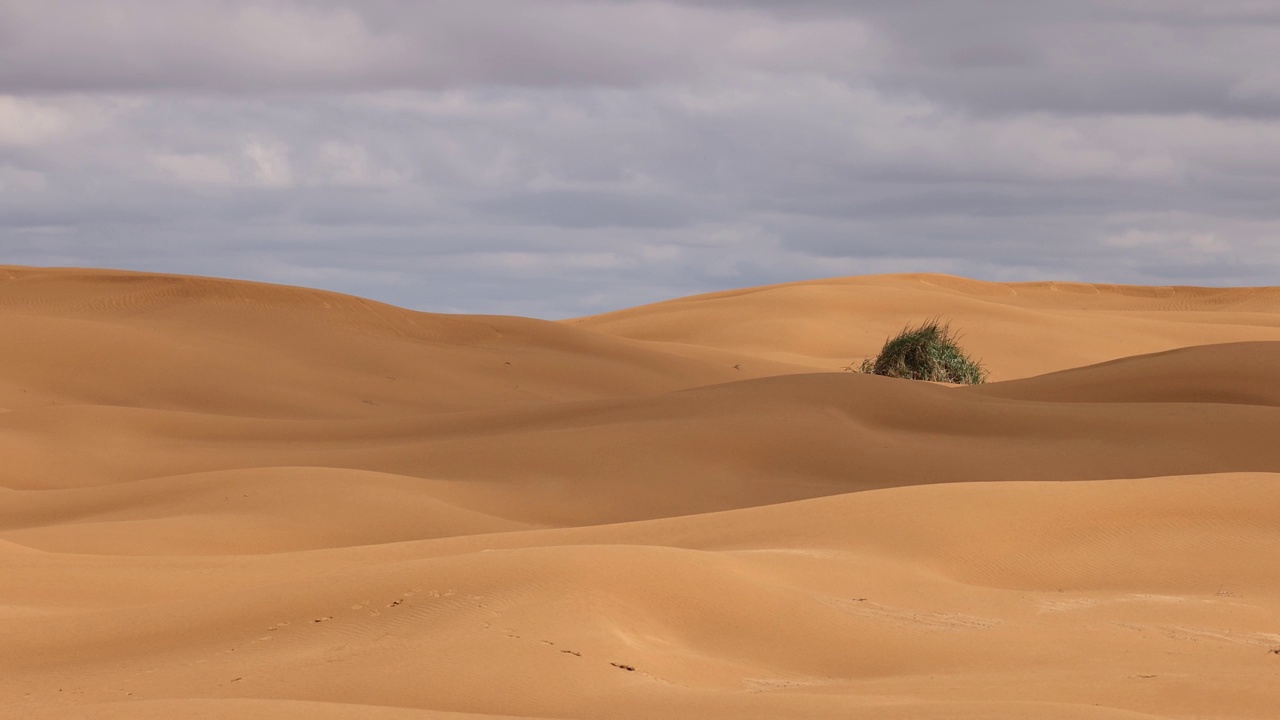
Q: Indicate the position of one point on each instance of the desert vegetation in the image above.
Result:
(928, 351)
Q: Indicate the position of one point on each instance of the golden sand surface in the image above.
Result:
(223, 499)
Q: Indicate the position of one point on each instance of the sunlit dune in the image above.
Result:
(1018, 329)
(225, 499)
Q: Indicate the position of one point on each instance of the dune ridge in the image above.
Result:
(229, 499)
(1018, 329)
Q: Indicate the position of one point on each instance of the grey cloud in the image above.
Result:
(562, 158)
(591, 209)
(1095, 56)
(1098, 57)
(247, 46)
(1090, 56)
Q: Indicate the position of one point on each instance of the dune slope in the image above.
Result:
(225, 499)
(1017, 329)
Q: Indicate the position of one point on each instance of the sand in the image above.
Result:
(233, 500)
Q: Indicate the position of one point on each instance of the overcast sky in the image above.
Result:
(554, 158)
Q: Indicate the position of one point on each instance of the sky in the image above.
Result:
(553, 158)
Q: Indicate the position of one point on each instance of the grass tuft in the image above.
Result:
(926, 352)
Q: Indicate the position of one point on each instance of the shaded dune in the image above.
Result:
(226, 499)
(748, 443)
(239, 511)
(1233, 374)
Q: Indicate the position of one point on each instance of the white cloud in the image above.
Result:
(195, 169)
(25, 122)
(1194, 242)
(345, 164)
(270, 163)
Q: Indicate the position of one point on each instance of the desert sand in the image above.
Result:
(224, 499)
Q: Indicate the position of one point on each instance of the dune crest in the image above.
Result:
(230, 499)
(1018, 329)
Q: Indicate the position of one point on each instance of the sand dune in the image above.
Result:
(245, 349)
(1018, 329)
(1233, 374)
(225, 499)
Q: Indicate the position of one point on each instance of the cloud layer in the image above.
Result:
(559, 158)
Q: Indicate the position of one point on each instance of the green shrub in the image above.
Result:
(926, 352)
